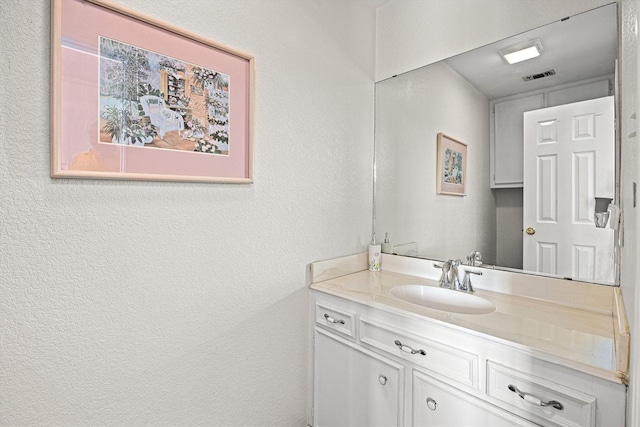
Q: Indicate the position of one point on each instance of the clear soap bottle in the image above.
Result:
(387, 247)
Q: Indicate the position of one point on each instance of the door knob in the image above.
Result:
(431, 404)
(530, 231)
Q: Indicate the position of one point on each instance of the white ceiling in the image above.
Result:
(577, 48)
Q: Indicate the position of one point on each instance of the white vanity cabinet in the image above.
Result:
(375, 367)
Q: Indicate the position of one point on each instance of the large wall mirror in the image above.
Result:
(540, 153)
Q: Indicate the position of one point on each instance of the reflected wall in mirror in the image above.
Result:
(478, 98)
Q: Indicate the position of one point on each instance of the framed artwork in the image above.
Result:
(135, 98)
(452, 166)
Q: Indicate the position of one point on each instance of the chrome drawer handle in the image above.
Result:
(408, 349)
(332, 320)
(534, 400)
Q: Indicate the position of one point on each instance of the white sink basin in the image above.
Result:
(443, 299)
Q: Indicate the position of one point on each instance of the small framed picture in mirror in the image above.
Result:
(452, 166)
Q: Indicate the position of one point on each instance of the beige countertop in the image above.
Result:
(594, 340)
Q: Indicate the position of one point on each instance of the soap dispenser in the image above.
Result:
(374, 254)
(387, 247)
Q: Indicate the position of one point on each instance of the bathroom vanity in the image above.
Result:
(553, 352)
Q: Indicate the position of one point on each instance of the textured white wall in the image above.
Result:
(630, 273)
(629, 170)
(156, 303)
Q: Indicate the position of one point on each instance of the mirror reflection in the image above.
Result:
(540, 172)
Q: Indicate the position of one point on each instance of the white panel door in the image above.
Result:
(568, 161)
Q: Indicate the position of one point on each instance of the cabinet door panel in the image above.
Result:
(508, 143)
(355, 387)
(438, 404)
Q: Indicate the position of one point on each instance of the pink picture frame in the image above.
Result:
(135, 98)
(451, 166)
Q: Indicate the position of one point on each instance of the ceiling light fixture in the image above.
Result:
(522, 51)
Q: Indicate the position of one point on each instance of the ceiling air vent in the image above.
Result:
(539, 75)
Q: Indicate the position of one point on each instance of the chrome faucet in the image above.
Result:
(445, 277)
(474, 259)
(456, 276)
(449, 278)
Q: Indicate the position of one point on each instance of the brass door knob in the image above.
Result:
(530, 231)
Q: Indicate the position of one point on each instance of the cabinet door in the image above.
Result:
(508, 140)
(355, 387)
(438, 404)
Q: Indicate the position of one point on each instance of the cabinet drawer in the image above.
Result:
(338, 320)
(439, 359)
(438, 404)
(520, 391)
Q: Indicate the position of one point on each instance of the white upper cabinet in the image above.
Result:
(507, 126)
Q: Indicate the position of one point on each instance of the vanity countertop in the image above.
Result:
(591, 338)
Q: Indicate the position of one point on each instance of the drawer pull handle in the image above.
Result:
(408, 349)
(382, 379)
(332, 320)
(534, 400)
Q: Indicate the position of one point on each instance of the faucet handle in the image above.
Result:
(472, 270)
(465, 283)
